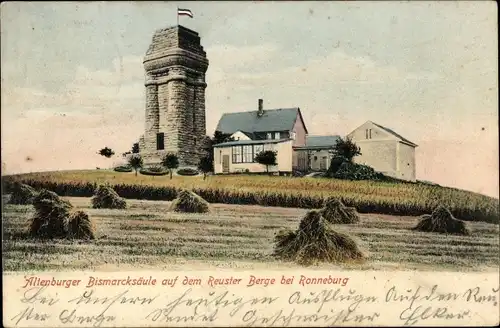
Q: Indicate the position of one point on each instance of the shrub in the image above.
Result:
(336, 212)
(154, 173)
(22, 194)
(187, 171)
(335, 164)
(314, 241)
(188, 201)
(123, 169)
(442, 221)
(106, 197)
(353, 171)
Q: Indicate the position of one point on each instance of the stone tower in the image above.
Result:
(175, 66)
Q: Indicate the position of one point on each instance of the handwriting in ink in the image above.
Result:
(36, 295)
(29, 314)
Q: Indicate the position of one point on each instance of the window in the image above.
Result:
(160, 141)
(236, 154)
(292, 135)
(247, 154)
(366, 134)
(257, 149)
(269, 135)
(276, 135)
(370, 133)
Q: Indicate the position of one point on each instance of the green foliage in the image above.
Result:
(171, 162)
(135, 162)
(123, 169)
(346, 148)
(218, 138)
(156, 169)
(153, 171)
(106, 152)
(335, 164)
(267, 158)
(352, 171)
(135, 148)
(187, 171)
(206, 165)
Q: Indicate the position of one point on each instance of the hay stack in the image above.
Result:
(106, 197)
(442, 221)
(315, 241)
(54, 219)
(50, 220)
(80, 226)
(336, 212)
(188, 201)
(50, 195)
(22, 194)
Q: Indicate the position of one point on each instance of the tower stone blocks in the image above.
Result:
(175, 66)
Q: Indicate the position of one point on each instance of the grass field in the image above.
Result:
(236, 236)
(366, 196)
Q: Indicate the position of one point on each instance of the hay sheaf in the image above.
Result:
(336, 212)
(22, 194)
(80, 226)
(54, 219)
(50, 195)
(315, 241)
(106, 197)
(188, 201)
(442, 221)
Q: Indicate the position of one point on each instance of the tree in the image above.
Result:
(218, 138)
(206, 165)
(135, 162)
(106, 152)
(135, 148)
(170, 161)
(347, 149)
(266, 158)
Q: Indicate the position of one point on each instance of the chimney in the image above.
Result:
(260, 112)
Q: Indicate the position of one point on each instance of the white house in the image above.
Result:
(239, 156)
(385, 151)
(282, 130)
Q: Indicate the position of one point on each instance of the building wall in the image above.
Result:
(300, 132)
(376, 133)
(240, 136)
(381, 155)
(284, 159)
(318, 154)
(406, 161)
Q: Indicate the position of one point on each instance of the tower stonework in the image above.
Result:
(175, 66)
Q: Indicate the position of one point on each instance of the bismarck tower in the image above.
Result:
(175, 66)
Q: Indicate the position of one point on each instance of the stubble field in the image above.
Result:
(147, 236)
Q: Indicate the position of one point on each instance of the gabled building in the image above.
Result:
(385, 151)
(282, 130)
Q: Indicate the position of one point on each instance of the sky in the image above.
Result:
(72, 78)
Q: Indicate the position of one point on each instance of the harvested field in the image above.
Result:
(147, 236)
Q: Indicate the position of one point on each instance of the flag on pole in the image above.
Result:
(184, 12)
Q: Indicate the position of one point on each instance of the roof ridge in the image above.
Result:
(394, 133)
